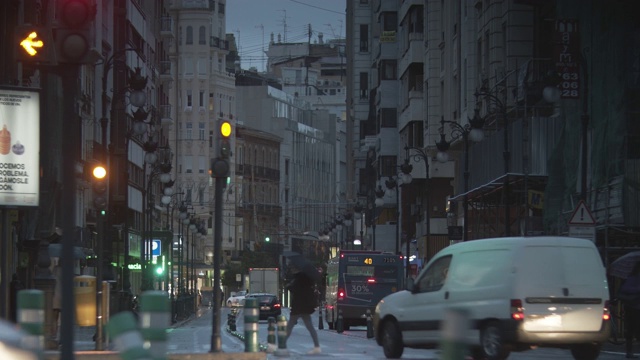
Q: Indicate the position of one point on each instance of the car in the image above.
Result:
(268, 304)
(518, 293)
(237, 299)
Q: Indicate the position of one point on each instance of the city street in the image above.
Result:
(195, 337)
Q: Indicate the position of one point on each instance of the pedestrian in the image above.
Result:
(629, 294)
(303, 303)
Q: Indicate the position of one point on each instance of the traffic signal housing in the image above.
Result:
(220, 165)
(34, 44)
(100, 187)
(225, 139)
(73, 33)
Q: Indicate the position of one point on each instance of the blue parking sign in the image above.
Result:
(156, 248)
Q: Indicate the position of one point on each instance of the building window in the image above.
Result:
(364, 38)
(364, 85)
(189, 35)
(189, 98)
(201, 131)
(201, 164)
(221, 8)
(389, 21)
(188, 166)
(388, 70)
(189, 134)
(202, 38)
(388, 165)
(415, 134)
(388, 118)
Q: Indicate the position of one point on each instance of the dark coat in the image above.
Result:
(303, 297)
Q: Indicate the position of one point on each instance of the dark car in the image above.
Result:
(268, 304)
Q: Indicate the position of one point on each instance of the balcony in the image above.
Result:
(166, 27)
(166, 73)
(216, 42)
(165, 115)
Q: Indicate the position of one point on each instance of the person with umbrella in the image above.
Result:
(303, 298)
(629, 294)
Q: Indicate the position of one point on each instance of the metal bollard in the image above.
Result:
(320, 322)
(126, 338)
(234, 313)
(369, 325)
(271, 331)
(339, 323)
(282, 337)
(251, 318)
(454, 333)
(154, 321)
(30, 317)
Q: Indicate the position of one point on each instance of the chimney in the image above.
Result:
(320, 41)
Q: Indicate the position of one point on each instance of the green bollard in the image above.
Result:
(30, 317)
(251, 318)
(369, 325)
(339, 323)
(155, 318)
(454, 333)
(271, 331)
(126, 338)
(282, 337)
(232, 326)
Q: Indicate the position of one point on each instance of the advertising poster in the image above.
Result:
(19, 147)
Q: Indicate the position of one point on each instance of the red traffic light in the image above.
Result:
(73, 33)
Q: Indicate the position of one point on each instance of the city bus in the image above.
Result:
(356, 281)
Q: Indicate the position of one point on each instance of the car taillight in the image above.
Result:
(276, 305)
(606, 313)
(517, 311)
(340, 294)
(371, 281)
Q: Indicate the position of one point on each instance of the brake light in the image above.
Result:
(276, 305)
(606, 313)
(371, 281)
(340, 294)
(517, 311)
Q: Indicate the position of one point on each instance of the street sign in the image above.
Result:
(156, 248)
(583, 232)
(582, 216)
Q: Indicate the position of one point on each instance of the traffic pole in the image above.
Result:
(369, 325)
(251, 318)
(454, 333)
(154, 320)
(282, 337)
(30, 318)
(339, 323)
(320, 322)
(271, 335)
(127, 340)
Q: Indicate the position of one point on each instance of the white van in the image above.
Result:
(519, 292)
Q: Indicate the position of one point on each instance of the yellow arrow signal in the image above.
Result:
(29, 44)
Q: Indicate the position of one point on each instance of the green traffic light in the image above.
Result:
(267, 239)
(103, 212)
(159, 270)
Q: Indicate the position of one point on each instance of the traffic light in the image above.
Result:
(100, 187)
(73, 33)
(220, 165)
(34, 44)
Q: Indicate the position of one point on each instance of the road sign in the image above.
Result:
(156, 248)
(581, 215)
(583, 232)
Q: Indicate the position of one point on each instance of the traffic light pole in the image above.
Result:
(216, 345)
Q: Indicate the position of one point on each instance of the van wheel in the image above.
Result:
(491, 344)
(585, 351)
(392, 340)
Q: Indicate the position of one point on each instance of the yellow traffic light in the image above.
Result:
(225, 129)
(30, 44)
(99, 172)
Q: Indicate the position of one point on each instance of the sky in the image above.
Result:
(253, 21)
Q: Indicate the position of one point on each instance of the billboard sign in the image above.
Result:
(19, 147)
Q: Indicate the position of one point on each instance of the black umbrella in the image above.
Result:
(302, 264)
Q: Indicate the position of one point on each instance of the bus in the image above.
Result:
(356, 281)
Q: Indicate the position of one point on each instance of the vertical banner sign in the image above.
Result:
(19, 147)
(567, 57)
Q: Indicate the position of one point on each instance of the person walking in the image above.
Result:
(629, 294)
(303, 303)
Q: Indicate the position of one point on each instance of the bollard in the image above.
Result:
(339, 323)
(454, 331)
(271, 335)
(369, 325)
(320, 322)
(232, 325)
(251, 318)
(30, 318)
(126, 338)
(154, 321)
(282, 337)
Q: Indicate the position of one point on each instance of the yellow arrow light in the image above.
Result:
(29, 44)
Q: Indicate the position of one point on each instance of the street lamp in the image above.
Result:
(472, 130)
(358, 215)
(420, 154)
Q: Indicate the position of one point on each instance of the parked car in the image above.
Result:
(237, 299)
(517, 293)
(268, 304)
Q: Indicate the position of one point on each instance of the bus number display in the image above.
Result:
(368, 261)
(389, 260)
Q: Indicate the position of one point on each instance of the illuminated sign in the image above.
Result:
(19, 147)
(29, 44)
(368, 261)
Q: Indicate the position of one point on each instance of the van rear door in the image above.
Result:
(563, 288)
